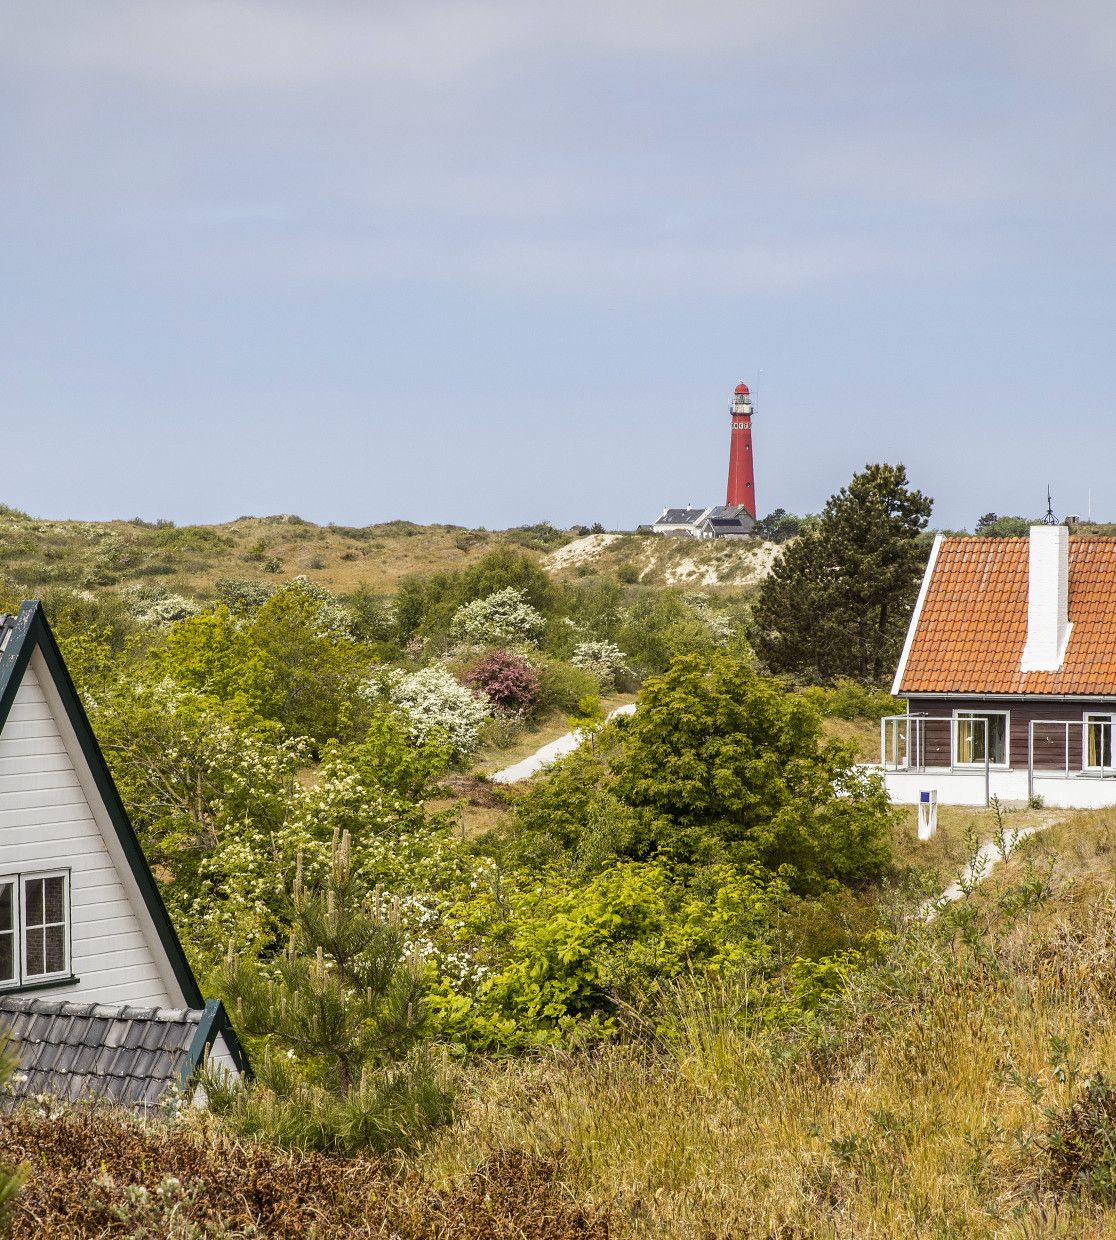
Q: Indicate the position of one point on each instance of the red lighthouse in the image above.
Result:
(741, 478)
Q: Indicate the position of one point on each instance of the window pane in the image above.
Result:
(978, 733)
(36, 954)
(7, 957)
(34, 898)
(1098, 735)
(7, 906)
(55, 949)
(55, 899)
(965, 740)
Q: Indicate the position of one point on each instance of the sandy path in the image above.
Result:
(549, 753)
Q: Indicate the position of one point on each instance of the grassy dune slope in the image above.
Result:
(36, 554)
(93, 554)
(956, 1089)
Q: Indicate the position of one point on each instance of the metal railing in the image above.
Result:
(903, 745)
(1103, 768)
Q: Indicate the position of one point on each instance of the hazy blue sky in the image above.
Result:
(490, 262)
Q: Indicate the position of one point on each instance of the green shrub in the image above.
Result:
(242, 596)
(540, 537)
(562, 686)
(848, 699)
(1079, 1151)
(719, 765)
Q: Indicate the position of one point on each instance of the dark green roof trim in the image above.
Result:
(214, 1022)
(203, 1038)
(30, 630)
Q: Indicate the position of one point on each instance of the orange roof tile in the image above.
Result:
(973, 625)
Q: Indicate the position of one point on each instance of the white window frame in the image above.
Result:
(26, 977)
(1097, 716)
(7, 983)
(958, 715)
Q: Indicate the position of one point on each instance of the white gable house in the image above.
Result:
(95, 989)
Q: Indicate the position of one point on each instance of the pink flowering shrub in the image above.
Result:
(509, 682)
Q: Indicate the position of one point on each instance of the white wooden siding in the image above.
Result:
(51, 816)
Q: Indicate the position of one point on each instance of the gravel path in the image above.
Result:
(549, 753)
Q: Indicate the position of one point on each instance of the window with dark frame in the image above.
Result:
(8, 954)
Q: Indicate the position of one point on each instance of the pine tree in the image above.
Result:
(839, 601)
(342, 1024)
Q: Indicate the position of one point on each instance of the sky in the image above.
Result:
(491, 262)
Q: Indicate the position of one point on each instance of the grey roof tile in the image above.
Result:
(124, 1055)
(117, 1033)
(95, 1031)
(134, 1037)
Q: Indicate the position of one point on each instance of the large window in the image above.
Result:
(34, 928)
(979, 737)
(1098, 742)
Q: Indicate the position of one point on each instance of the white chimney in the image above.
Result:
(1048, 625)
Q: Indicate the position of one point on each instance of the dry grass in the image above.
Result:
(960, 828)
(864, 733)
(951, 1092)
(101, 1174)
(919, 1109)
(93, 554)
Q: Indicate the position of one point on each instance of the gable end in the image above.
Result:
(20, 638)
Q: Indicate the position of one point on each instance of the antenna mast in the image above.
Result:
(1050, 518)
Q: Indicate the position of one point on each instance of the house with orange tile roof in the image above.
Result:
(1009, 674)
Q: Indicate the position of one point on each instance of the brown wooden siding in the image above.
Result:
(1050, 742)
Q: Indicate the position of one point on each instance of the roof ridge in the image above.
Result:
(38, 1006)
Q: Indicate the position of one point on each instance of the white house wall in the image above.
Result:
(968, 788)
(51, 817)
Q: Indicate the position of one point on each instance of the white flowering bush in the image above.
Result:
(333, 618)
(604, 660)
(160, 608)
(435, 704)
(721, 627)
(505, 618)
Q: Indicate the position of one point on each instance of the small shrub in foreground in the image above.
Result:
(342, 1022)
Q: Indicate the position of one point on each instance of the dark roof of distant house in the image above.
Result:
(7, 623)
(730, 517)
(679, 516)
(91, 1052)
(970, 633)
